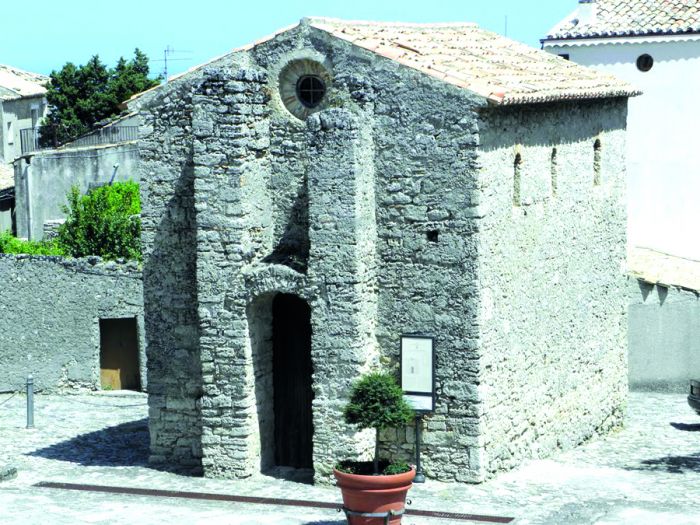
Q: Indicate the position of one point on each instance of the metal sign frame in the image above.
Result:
(422, 396)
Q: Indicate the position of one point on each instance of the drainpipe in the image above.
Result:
(114, 174)
(28, 189)
(587, 12)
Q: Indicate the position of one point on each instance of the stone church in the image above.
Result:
(309, 198)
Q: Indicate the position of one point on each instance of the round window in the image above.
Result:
(645, 62)
(310, 90)
(304, 87)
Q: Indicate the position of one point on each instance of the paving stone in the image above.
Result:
(7, 472)
(646, 473)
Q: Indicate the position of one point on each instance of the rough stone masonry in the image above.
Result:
(400, 203)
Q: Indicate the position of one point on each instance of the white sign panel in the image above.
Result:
(417, 364)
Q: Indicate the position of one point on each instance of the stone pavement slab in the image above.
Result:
(647, 473)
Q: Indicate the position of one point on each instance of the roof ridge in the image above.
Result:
(491, 66)
(19, 71)
(312, 19)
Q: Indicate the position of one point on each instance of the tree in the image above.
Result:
(377, 402)
(105, 222)
(81, 96)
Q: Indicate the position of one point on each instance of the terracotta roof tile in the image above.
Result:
(499, 69)
(462, 54)
(630, 18)
(15, 83)
(664, 269)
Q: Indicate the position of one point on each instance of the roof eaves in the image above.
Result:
(179, 76)
(574, 35)
(520, 99)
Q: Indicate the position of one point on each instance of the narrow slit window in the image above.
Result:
(553, 168)
(596, 162)
(517, 174)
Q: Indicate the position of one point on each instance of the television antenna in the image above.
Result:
(167, 57)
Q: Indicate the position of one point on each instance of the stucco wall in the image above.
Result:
(662, 170)
(16, 115)
(50, 309)
(553, 294)
(664, 337)
(43, 179)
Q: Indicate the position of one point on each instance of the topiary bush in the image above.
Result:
(377, 402)
(105, 222)
(11, 244)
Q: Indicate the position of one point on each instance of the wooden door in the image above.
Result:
(119, 354)
(291, 335)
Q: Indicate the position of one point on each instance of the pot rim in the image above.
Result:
(377, 480)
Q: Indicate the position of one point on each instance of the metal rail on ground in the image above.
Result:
(258, 500)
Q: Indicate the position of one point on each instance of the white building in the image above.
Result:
(22, 105)
(655, 45)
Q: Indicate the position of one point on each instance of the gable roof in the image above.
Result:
(615, 18)
(15, 83)
(503, 71)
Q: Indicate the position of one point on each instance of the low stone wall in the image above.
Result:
(664, 337)
(50, 311)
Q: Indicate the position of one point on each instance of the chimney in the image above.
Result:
(587, 12)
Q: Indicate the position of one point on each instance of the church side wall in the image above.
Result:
(553, 310)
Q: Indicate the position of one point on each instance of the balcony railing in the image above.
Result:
(108, 135)
(29, 138)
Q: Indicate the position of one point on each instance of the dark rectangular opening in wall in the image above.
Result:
(119, 354)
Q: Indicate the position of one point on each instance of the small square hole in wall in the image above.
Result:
(433, 236)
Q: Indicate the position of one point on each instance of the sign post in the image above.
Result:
(418, 383)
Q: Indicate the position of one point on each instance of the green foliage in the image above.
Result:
(397, 467)
(377, 402)
(81, 96)
(11, 244)
(105, 222)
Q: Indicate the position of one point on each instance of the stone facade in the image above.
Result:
(401, 204)
(50, 311)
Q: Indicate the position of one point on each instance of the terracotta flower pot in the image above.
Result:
(374, 494)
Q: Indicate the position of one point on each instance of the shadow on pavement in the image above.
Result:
(671, 464)
(326, 522)
(125, 445)
(695, 427)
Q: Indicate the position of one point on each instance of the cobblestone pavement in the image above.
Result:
(647, 473)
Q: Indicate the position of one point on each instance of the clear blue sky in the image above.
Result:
(44, 34)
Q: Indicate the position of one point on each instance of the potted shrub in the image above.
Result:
(377, 486)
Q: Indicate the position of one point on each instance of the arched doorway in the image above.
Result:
(291, 371)
(280, 337)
